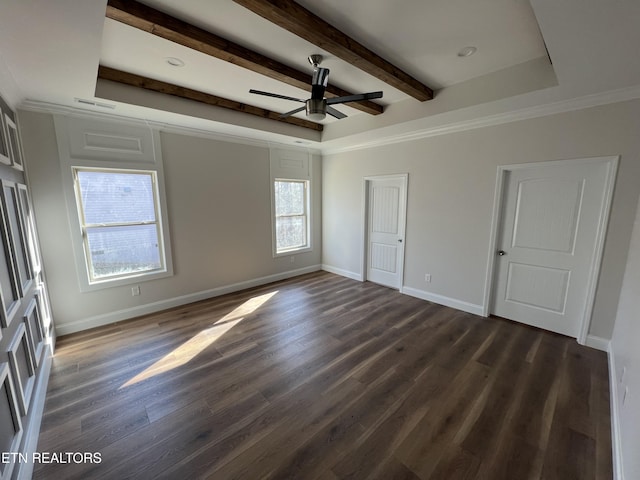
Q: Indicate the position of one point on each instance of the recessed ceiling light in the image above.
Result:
(467, 51)
(174, 62)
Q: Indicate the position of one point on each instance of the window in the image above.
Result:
(291, 205)
(119, 217)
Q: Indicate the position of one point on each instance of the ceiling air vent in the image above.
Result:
(94, 103)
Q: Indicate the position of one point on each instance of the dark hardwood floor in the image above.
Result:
(322, 377)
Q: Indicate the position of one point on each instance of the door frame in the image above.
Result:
(596, 260)
(364, 218)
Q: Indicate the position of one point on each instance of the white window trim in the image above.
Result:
(291, 251)
(111, 160)
(84, 226)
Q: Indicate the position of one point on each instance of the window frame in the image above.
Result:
(125, 278)
(307, 214)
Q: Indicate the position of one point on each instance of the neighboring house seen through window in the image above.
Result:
(291, 199)
(120, 221)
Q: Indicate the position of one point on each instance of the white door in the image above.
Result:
(386, 211)
(547, 249)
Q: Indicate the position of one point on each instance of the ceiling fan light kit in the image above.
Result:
(317, 107)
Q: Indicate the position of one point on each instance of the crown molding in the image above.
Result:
(523, 113)
(454, 126)
(56, 109)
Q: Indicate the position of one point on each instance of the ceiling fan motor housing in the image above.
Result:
(316, 108)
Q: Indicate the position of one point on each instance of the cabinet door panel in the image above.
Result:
(10, 424)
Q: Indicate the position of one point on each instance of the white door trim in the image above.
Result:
(596, 260)
(364, 222)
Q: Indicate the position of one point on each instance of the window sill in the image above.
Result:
(293, 251)
(129, 280)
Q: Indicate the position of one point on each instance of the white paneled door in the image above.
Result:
(386, 211)
(547, 247)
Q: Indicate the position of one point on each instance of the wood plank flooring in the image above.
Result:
(322, 377)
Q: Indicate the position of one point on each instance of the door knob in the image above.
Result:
(400, 240)
(501, 253)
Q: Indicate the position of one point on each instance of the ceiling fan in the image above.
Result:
(317, 106)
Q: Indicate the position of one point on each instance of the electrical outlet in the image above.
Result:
(135, 291)
(427, 277)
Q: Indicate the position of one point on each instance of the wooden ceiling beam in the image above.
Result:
(301, 22)
(153, 21)
(107, 73)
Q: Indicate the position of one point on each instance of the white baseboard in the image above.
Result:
(442, 300)
(605, 345)
(125, 314)
(341, 272)
(414, 292)
(598, 343)
(616, 441)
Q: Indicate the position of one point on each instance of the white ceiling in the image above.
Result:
(422, 37)
(51, 51)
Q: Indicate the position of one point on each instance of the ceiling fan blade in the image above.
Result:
(335, 113)
(354, 98)
(275, 95)
(288, 114)
(319, 82)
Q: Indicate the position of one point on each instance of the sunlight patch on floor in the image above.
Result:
(192, 347)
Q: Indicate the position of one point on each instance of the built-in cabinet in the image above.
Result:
(26, 330)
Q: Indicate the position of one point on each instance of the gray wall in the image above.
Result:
(626, 355)
(451, 193)
(218, 196)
